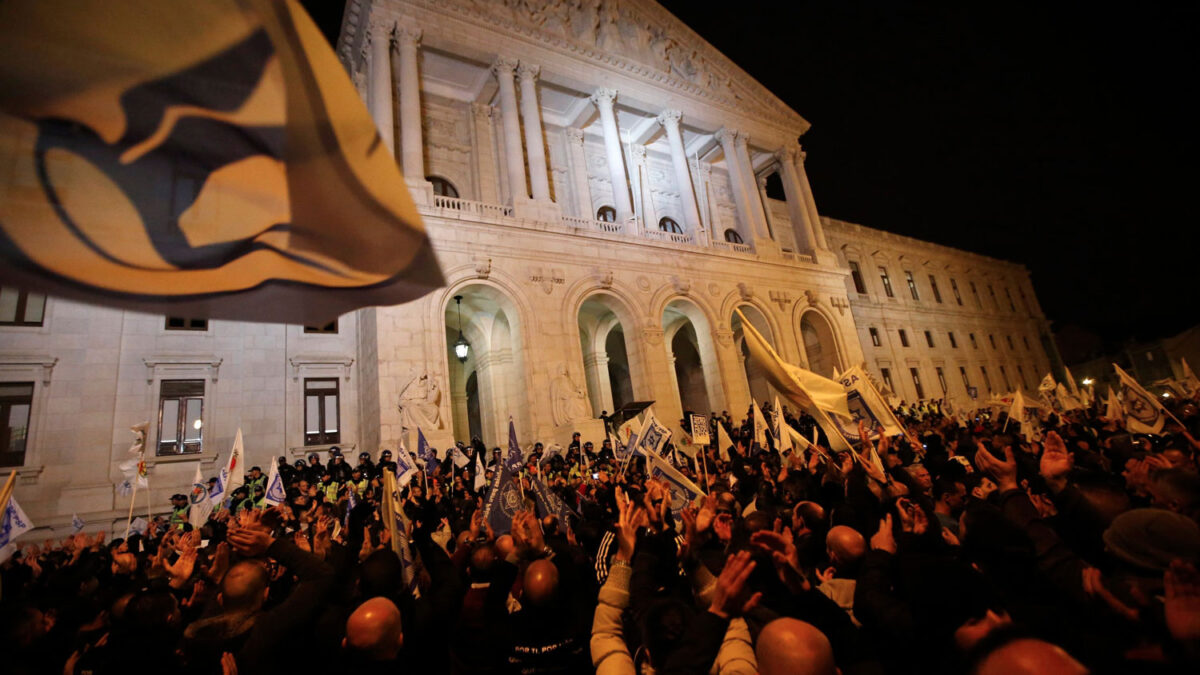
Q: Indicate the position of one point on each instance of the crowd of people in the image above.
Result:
(966, 548)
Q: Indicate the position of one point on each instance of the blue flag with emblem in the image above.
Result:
(653, 437)
(426, 453)
(683, 491)
(504, 493)
(549, 503)
(275, 492)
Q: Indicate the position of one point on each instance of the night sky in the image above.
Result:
(1057, 137)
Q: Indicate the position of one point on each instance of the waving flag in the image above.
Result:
(13, 524)
(784, 442)
(1047, 384)
(653, 437)
(233, 476)
(275, 492)
(549, 503)
(460, 459)
(683, 491)
(406, 466)
(760, 426)
(77, 523)
(480, 472)
(200, 505)
(724, 442)
(858, 380)
(504, 494)
(1143, 413)
(425, 453)
(203, 159)
(804, 388)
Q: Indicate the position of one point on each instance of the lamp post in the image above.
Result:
(461, 347)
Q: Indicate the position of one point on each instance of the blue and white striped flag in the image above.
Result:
(14, 524)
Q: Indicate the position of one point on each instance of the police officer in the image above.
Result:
(179, 510)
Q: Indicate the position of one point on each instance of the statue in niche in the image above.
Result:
(568, 401)
(420, 404)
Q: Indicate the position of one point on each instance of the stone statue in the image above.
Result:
(568, 401)
(420, 401)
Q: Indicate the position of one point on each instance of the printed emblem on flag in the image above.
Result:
(199, 493)
(1137, 407)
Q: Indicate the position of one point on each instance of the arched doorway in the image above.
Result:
(693, 358)
(490, 385)
(609, 359)
(756, 379)
(820, 347)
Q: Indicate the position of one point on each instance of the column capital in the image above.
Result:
(670, 118)
(604, 97)
(527, 71)
(381, 27)
(574, 135)
(408, 35)
(482, 110)
(742, 138)
(787, 155)
(504, 66)
(727, 136)
(639, 153)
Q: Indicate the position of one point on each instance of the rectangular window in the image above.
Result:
(1004, 376)
(180, 323)
(912, 285)
(957, 295)
(330, 328)
(903, 338)
(180, 416)
(992, 293)
(937, 295)
(887, 378)
(16, 401)
(1024, 302)
(887, 282)
(916, 378)
(321, 411)
(21, 308)
(953, 341)
(1021, 373)
(856, 275)
(1008, 339)
(987, 381)
(942, 379)
(929, 338)
(992, 339)
(975, 294)
(974, 343)
(1025, 339)
(1012, 307)
(874, 336)
(962, 370)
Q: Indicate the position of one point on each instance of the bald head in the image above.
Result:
(374, 630)
(244, 587)
(845, 546)
(541, 583)
(504, 545)
(1029, 656)
(791, 647)
(482, 559)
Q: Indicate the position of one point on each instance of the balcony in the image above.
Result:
(498, 214)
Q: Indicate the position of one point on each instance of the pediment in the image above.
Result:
(636, 36)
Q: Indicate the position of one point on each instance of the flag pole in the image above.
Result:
(129, 518)
(6, 492)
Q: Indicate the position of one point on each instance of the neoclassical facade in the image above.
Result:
(594, 178)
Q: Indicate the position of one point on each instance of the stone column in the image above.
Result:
(603, 98)
(806, 240)
(815, 218)
(645, 199)
(737, 182)
(599, 385)
(761, 183)
(687, 194)
(515, 160)
(579, 172)
(381, 82)
(539, 179)
(732, 367)
(412, 148)
(757, 213)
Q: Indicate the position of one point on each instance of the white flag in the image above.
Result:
(14, 524)
(77, 523)
(1071, 385)
(233, 476)
(653, 436)
(1143, 413)
(275, 492)
(858, 379)
(406, 466)
(200, 503)
(1047, 383)
(784, 446)
(1112, 409)
(760, 426)
(481, 473)
(460, 459)
(724, 442)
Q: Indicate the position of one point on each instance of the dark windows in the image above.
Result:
(953, 340)
(321, 411)
(974, 343)
(856, 275)
(992, 340)
(887, 378)
(903, 338)
(180, 323)
(21, 308)
(733, 237)
(180, 416)
(442, 187)
(1012, 307)
(929, 338)
(962, 370)
(606, 213)
(987, 381)
(975, 294)
(874, 335)
(937, 295)
(1008, 339)
(957, 295)
(669, 225)
(912, 285)
(16, 402)
(916, 378)
(887, 282)
(941, 375)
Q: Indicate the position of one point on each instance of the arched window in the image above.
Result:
(669, 225)
(442, 187)
(733, 237)
(606, 213)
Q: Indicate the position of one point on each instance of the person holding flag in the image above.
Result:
(505, 494)
(200, 505)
